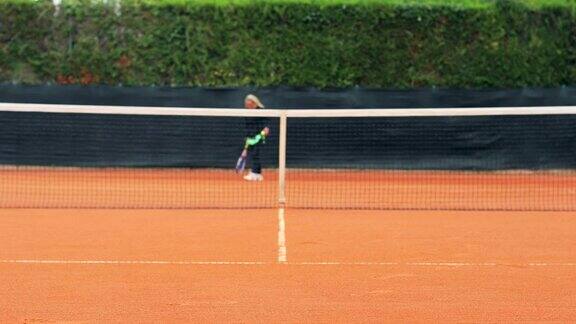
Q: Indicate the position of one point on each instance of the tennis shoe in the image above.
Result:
(253, 177)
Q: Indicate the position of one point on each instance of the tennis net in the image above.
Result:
(65, 156)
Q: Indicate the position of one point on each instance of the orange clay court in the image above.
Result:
(460, 258)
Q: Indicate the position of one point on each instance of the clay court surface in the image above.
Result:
(87, 265)
(118, 256)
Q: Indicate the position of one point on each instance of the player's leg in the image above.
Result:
(256, 164)
(256, 170)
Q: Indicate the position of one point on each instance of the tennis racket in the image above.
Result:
(241, 163)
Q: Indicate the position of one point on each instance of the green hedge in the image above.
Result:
(329, 43)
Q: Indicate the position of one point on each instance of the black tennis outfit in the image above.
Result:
(253, 127)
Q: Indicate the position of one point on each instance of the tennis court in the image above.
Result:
(223, 265)
(107, 241)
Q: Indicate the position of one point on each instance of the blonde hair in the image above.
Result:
(255, 99)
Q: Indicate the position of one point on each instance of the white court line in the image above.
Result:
(282, 258)
(414, 264)
(442, 264)
(134, 262)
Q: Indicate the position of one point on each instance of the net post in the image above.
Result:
(282, 160)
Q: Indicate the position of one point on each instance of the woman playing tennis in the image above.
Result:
(256, 131)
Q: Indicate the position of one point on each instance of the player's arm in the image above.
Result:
(260, 137)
